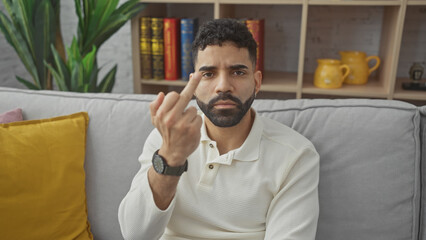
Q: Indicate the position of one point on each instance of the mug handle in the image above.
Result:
(375, 66)
(348, 70)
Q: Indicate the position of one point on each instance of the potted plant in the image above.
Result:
(33, 30)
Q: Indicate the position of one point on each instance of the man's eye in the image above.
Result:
(239, 73)
(207, 74)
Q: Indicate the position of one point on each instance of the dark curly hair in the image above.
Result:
(218, 31)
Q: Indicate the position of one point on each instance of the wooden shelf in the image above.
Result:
(279, 82)
(295, 28)
(179, 1)
(257, 2)
(372, 89)
(175, 83)
(417, 2)
(401, 93)
(355, 2)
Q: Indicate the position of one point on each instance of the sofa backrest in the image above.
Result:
(370, 156)
(423, 171)
(370, 164)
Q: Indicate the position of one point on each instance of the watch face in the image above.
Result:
(157, 162)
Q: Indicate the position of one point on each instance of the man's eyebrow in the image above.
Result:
(238, 66)
(207, 68)
(233, 67)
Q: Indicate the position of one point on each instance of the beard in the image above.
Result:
(226, 117)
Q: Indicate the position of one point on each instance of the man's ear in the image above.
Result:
(257, 80)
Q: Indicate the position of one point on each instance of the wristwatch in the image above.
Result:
(160, 166)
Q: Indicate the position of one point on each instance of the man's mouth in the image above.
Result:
(225, 104)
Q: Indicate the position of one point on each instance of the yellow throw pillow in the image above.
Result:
(42, 179)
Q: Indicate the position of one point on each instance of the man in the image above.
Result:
(230, 174)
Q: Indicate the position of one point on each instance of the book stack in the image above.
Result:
(165, 47)
(257, 29)
(145, 48)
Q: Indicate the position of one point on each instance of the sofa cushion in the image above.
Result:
(13, 115)
(369, 164)
(42, 179)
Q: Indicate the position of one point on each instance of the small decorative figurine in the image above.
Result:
(416, 72)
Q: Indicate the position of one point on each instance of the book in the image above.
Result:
(145, 48)
(172, 48)
(188, 27)
(257, 29)
(157, 41)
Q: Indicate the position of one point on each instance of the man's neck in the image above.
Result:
(230, 138)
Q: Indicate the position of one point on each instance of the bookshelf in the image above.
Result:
(298, 32)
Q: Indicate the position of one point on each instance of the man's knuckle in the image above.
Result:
(169, 121)
(159, 114)
(173, 95)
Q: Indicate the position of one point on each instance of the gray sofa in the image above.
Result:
(372, 157)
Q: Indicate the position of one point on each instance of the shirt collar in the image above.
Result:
(250, 149)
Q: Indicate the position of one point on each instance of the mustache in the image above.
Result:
(225, 96)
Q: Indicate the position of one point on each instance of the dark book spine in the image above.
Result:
(145, 48)
(257, 29)
(188, 30)
(157, 48)
(171, 48)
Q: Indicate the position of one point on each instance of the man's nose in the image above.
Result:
(224, 83)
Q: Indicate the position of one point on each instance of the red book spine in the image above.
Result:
(171, 48)
(257, 29)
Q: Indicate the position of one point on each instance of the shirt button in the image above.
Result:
(211, 145)
(211, 166)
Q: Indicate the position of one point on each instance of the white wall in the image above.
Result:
(115, 51)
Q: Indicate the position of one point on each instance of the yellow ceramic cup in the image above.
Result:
(330, 73)
(358, 63)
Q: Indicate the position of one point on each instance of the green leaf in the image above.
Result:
(88, 62)
(105, 33)
(73, 54)
(28, 84)
(8, 5)
(58, 78)
(44, 37)
(131, 8)
(103, 11)
(29, 9)
(16, 40)
(99, 32)
(88, 8)
(93, 79)
(64, 75)
(80, 78)
(75, 74)
(5, 27)
(23, 24)
(108, 81)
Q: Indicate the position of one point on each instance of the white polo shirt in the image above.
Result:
(266, 189)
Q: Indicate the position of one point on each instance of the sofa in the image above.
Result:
(371, 167)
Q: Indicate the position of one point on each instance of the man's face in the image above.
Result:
(228, 85)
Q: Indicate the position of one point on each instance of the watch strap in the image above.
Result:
(176, 171)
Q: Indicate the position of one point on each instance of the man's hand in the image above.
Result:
(179, 128)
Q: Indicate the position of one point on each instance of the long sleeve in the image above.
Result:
(138, 215)
(294, 211)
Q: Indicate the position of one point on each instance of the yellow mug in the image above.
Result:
(358, 63)
(330, 73)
